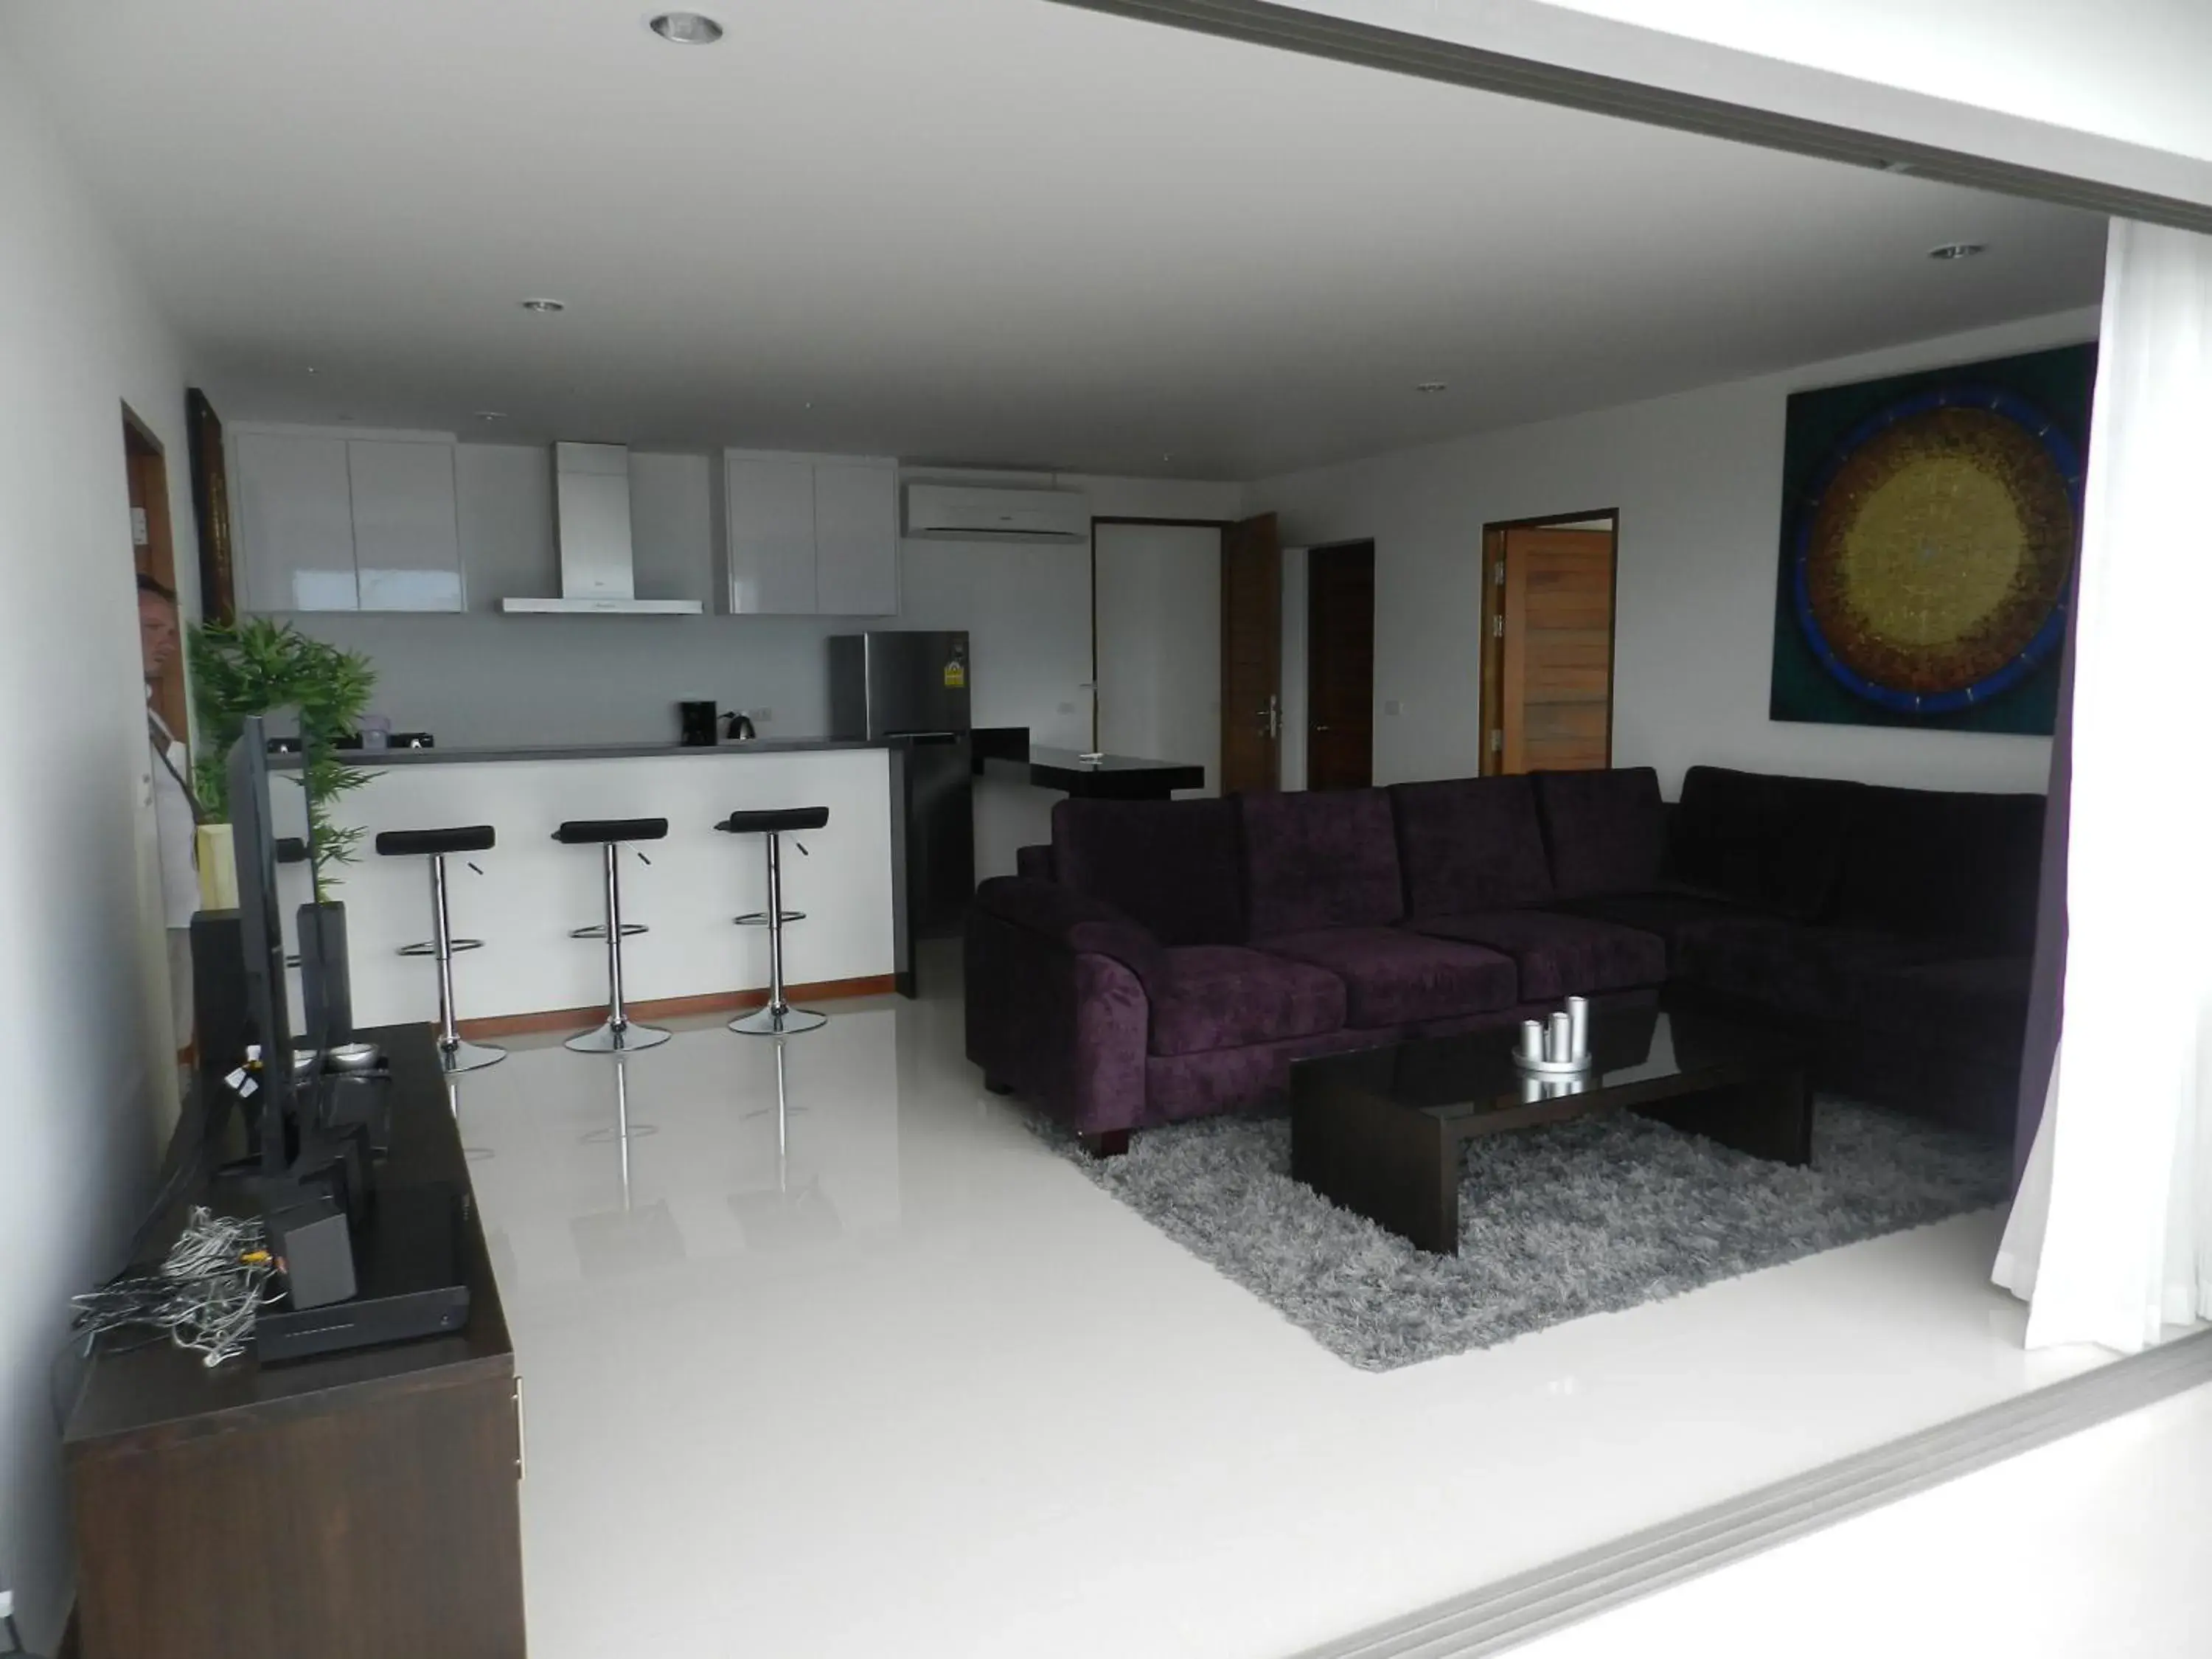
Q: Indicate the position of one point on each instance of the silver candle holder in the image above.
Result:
(1559, 1046)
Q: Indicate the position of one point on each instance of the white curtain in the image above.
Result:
(2111, 1237)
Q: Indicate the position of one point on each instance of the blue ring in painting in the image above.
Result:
(2064, 453)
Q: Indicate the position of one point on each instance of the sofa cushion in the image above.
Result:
(1469, 845)
(1224, 996)
(1175, 866)
(1977, 1003)
(1605, 831)
(1669, 915)
(1924, 861)
(1763, 841)
(1394, 978)
(1560, 955)
(1321, 859)
(1821, 972)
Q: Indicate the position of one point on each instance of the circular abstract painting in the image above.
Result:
(1933, 550)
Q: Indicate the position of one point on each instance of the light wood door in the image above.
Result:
(1555, 648)
(1251, 656)
(1340, 667)
(154, 553)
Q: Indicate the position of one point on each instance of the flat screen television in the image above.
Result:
(270, 828)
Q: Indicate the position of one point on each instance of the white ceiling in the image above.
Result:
(969, 231)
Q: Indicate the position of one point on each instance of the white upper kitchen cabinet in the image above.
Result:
(294, 522)
(856, 538)
(342, 521)
(810, 535)
(406, 525)
(771, 534)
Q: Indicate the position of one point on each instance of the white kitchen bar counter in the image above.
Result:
(533, 890)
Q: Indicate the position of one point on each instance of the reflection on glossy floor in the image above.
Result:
(880, 1374)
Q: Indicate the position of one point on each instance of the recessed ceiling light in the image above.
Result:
(1430, 385)
(544, 308)
(1958, 250)
(312, 369)
(686, 28)
(491, 414)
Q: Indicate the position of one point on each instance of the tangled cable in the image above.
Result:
(205, 1296)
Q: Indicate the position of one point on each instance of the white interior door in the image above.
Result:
(1159, 619)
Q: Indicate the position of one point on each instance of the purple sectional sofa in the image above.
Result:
(1167, 959)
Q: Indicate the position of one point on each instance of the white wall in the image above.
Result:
(82, 1075)
(1159, 644)
(1292, 754)
(1697, 478)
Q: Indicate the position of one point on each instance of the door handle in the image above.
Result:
(1271, 718)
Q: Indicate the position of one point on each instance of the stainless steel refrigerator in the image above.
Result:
(910, 689)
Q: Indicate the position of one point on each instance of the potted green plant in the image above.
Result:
(252, 667)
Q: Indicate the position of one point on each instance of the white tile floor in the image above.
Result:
(916, 1387)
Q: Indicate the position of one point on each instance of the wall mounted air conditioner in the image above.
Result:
(976, 512)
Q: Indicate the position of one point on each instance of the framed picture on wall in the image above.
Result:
(1929, 527)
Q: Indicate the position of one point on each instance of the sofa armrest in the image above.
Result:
(1075, 922)
(1036, 862)
(1054, 1010)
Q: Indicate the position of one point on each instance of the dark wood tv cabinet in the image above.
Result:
(358, 1506)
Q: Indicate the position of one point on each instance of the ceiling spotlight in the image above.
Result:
(312, 369)
(686, 28)
(1430, 385)
(544, 308)
(1958, 250)
(491, 414)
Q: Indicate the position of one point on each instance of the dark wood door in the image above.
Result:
(1556, 650)
(1251, 656)
(1340, 667)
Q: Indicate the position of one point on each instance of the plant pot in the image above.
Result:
(326, 985)
(218, 867)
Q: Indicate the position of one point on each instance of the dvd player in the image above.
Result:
(412, 1283)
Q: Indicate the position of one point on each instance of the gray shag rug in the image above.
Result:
(1585, 1217)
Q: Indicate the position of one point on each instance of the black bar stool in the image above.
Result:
(617, 1035)
(453, 1054)
(779, 1018)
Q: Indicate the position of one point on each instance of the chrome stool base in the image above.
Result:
(460, 1056)
(608, 1038)
(772, 1021)
(454, 1055)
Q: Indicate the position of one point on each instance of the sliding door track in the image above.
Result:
(1531, 1604)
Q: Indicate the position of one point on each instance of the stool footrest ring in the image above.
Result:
(429, 947)
(599, 930)
(759, 918)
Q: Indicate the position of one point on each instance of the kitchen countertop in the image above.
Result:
(600, 751)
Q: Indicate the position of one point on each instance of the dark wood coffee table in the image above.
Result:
(1379, 1130)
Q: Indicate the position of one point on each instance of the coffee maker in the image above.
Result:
(696, 723)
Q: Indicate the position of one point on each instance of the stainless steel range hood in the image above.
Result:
(591, 523)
